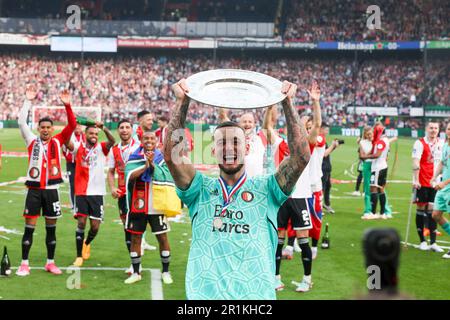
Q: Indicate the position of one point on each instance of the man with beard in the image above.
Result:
(297, 210)
(234, 218)
(90, 158)
(117, 159)
(43, 179)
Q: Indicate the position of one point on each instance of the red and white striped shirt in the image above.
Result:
(429, 155)
(118, 158)
(89, 170)
(75, 139)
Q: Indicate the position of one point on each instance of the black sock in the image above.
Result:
(165, 260)
(358, 181)
(50, 240)
(314, 242)
(420, 224)
(27, 241)
(79, 238)
(382, 202)
(135, 261)
(374, 200)
(291, 241)
(91, 236)
(433, 228)
(128, 240)
(306, 255)
(278, 255)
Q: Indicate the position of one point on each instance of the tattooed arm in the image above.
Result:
(291, 168)
(179, 165)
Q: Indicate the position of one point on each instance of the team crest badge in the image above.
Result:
(55, 171)
(247, 196)
(34, 172)
(139, 204)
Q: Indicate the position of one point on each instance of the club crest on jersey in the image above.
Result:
(139, 203)
(380, 146)
(247, 196)
(34, 172)
(55, 171)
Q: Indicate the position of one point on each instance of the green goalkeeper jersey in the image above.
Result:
(235, 260)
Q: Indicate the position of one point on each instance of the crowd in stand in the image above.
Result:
(124, 85)
(308, 21)
(344, 20)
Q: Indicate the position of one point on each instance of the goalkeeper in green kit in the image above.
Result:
(234, 217)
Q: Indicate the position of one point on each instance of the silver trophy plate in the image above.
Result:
(234, 89)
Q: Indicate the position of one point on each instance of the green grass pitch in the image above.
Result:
(338, 273)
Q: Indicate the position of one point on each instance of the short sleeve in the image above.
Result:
(191, 195)
(417, 150)
(275, 192)
(111, 161)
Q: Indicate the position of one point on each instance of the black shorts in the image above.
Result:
(45, 199)
(137, 222)
(123, 209)
(378, 178)
(89, 206)
(425, 195)
(297, 210)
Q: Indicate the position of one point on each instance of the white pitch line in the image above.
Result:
(88, 268)
(417, 246)
(442, 241)
(156, 285)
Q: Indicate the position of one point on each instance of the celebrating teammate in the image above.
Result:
(426, 156)
(378, 178)
(77, 136)
(234, 234)
(145, 119)
(442, 199)
(43, 178)
(90, 158)
(117, 160)
(161, 132)
(146, 168)
(297, 208)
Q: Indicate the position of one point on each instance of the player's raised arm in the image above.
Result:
(291, 168)
(111, 140)
(25, 130)
(269, 124)
(180, 167)
(66, 133)
(314, 94)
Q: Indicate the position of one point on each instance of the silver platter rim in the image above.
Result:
(198, 81)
